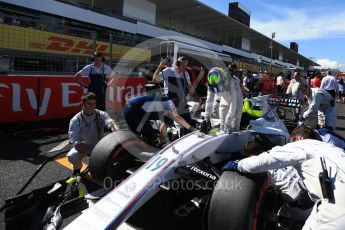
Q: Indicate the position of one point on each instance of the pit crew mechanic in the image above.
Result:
(228, 101)
(86, 128)
(177, 85)
(138, 112)
(320, 100)
(304, 154)
(235, 119)
(97, 72)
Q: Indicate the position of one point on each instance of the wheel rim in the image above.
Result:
(265, 207)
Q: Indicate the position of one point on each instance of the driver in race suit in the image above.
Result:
(138, 112)
(230, 103)
(303, 154)
(215, 81)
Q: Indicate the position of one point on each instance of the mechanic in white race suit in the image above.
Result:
(86, 128)
(304, 154)
(319, 100)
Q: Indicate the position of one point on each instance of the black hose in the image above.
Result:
(39, 168)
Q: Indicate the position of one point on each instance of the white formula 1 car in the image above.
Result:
(195, 157)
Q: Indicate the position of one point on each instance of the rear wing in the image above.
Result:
(286, 102)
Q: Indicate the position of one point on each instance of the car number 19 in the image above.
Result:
(157, 163)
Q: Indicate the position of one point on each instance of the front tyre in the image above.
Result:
(242, 201)
(114, 154)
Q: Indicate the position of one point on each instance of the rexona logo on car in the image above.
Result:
(201, 172)
(32, 98)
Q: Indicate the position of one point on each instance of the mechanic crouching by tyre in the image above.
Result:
(320, 165)
(139, 111)
(320, 104)
(86, 128)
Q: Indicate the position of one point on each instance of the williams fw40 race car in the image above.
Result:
(192, 165)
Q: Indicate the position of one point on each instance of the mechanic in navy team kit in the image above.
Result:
(98, 73)
(138, 112)
(86, 128)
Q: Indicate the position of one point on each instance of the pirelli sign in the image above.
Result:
(27, 39)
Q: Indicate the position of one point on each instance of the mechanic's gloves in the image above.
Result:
(113, 127)
(230, 166)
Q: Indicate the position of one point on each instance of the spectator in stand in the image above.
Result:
(341, 90)
(330, 84)
(317, 79)
(98, 72)
(280, 84)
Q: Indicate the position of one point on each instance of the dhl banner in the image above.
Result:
(34, 98)
(26, 39)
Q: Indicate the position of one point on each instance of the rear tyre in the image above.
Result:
(114, 154)
(242, 202)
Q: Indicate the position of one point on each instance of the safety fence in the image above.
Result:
(29, 49)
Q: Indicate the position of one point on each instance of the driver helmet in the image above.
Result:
(215, 79)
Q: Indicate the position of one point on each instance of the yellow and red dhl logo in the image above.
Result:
(70, 46)
(20, 38)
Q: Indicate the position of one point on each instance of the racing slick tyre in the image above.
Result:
(242, 201)
(114, 154)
